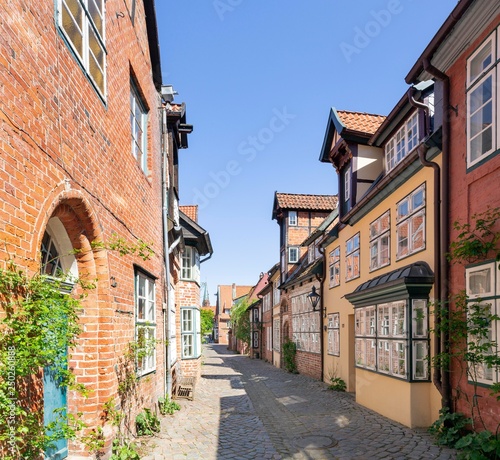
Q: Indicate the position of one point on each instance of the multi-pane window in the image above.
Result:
(138, 126)
(292, 218)
(82, 25)
(276, 334)
(380, 241)
(482, 111)
(402, 143)
(293, 255)
(483, 307)
(334, 334)
(190, 332)
(190, 269)
(347, 184)
(145, 323)
(352, 257)
(276, 292)
(334, 267)
(384, 342)
(410, 226)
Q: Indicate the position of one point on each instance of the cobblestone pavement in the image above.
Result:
(248, 409)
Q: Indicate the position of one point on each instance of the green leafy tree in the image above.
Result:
(207, 321)
(240, 321)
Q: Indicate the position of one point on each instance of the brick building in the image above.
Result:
(82, 162)
(463, 60)
(298, 216)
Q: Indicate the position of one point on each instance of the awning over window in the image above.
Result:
(413, 280)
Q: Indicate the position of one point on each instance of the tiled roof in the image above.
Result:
(362, 122)
(310, 202)
(191, 211)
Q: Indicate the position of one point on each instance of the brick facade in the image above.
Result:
(66, 157)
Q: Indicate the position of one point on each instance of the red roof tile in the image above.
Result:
(359, 121)
(191, 211)
(310, 202)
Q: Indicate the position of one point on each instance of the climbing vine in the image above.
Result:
(37, 320)
(240, 322)
(289, 352)
(471, 352)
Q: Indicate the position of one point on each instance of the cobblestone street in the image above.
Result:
(248, 409)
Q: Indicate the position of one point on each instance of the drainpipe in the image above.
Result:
(166, 254)
(321, 304)
(445, 230)
(441, 376)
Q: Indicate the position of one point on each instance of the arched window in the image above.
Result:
(58, 259)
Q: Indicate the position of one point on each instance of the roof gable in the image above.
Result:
(303, 202)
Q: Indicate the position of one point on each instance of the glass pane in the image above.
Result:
(383, 356)
(95, 12)
(418, 199)
(384, 250)
(481, 95)
(480, 62)
(418, 234)
(403, 240)
(480, 282)
(72, 17)
(403, 209)
(141, 309)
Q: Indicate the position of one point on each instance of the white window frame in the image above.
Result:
(276, 334)
(402, 143)
(489, 296)
(292, 250)
(190, 264)
(90, 28)
(333, 329)
(379, 234)
(334, 267)
(145, 320)
(352, 252)
(383, 340)
(408, 220)
(292, 218)
(190, 332)
(474, 83)
(138, 127)
(276, 292)
(347, 184)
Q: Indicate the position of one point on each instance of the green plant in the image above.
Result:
(289, 352)
(449, 427)
(240, 322)
(479, 446)
(147, 423)
(38, 323)
(167, 406)
(337, 384)
(124, 451)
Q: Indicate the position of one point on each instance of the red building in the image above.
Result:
(463, 60)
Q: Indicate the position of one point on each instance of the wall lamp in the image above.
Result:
(314, 298)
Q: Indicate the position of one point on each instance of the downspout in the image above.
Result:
(166, 254)
(441, 377)
(445, 231)
(321, 250)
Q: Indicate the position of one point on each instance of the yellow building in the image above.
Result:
(381, 257)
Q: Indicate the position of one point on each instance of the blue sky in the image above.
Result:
(259, 78)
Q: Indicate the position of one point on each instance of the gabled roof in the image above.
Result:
(303, 202)
(191, 211)
(194, 235)
(351, 126)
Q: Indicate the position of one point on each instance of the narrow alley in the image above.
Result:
(248, 409)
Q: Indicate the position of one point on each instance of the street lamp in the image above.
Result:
(314, 298)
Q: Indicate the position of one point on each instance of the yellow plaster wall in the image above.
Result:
(421, 406)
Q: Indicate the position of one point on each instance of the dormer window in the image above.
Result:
(292, 218)
(402, 143)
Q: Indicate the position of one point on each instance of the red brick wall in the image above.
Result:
(470, 192)
(64, 153)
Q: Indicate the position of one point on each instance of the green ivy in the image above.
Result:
(37, 321)
(289, 352)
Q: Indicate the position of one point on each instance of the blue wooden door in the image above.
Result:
(54, 397)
